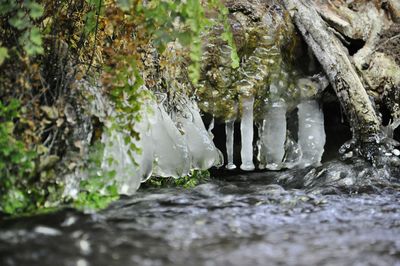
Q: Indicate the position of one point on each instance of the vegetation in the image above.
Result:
(99, 188)
(46, 49)
(16, 164)
(197, 177)
(50, 51)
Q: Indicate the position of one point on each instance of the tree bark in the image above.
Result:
(342, 75)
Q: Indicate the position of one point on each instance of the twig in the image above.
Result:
(385, 42)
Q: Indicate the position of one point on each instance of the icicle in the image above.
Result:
(311, 132)
(171, 151)
(260, 147)
(273, 136)
(202, 150)
(391, 127)
(212, 151)
(211, 127)
(229, 131)
(293, 152)
(118, 159)
(246, 129)
(146, 145)
(130, 166)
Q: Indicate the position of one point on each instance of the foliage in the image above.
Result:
(16, 163)
(164, 21)
(46, 47)
(98, 190)
(197, 177)
(21, 17)
(227, 35)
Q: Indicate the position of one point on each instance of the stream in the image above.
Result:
(239, 219)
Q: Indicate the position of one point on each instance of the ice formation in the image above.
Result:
(293, 152)
(246, 129)
(203, 153)
(171, 151)
(311, 132)
(273, 136)
(117, 159)
(169, 145)
(130, 167)
(172, 144)
(229, 131)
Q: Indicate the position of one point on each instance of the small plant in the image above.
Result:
(17, 165)
(99, 189)
(22, 16)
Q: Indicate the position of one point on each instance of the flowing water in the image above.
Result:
(239, 219)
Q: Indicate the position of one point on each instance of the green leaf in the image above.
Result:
(90, 24)
(32, 42)
(36, 36)
(185, 38)
(7, 7)
(36, 10)
(3, 54)
(20, 21)
(235, 59)
(95, 3)
(13, 201)
(125, 5)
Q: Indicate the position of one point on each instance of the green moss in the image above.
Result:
(197, 177)
(266, 57)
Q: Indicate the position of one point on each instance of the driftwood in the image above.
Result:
(341, 73)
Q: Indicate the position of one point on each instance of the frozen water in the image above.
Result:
(211, 127)
(293, 152)
(202, 150)
(131, 159)
(146, 145)
(170, 147)
(117, 158)
(389, 129)
(273, 136)
(311, 132)
(247, 134)
(229, 131)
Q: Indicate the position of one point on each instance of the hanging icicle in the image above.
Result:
(229, 131)
(311, 132)
(247, 134)
(273, 136)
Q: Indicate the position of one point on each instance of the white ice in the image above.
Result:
(311, 132)
(273, 136)
(229, 131)
(247, 134)
(171, 151)
(293, 153)
(117, 158)
(203, 152)
(131, 159)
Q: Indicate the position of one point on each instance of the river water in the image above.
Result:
(241, 219)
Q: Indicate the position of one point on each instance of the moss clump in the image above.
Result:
(197, 177)
(267, 48)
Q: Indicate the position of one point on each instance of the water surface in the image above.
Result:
(238, 220)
